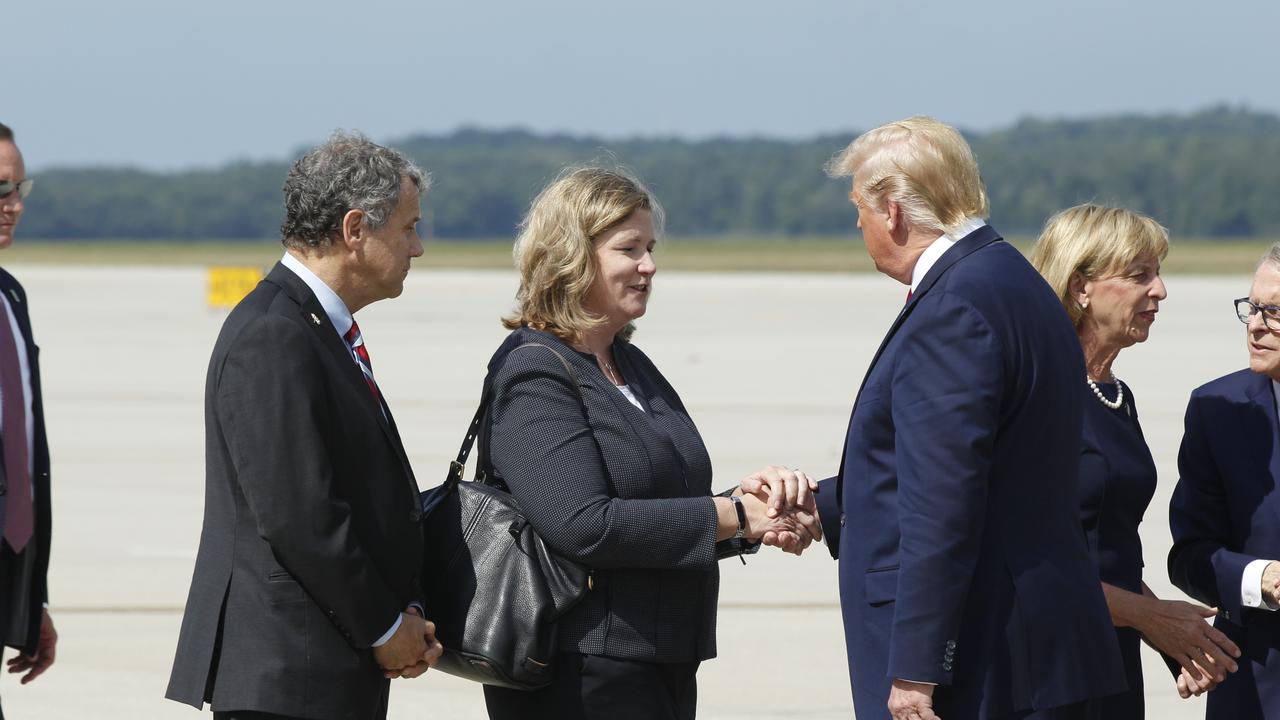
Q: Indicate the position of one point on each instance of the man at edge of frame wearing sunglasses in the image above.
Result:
(24, 455)
(1226, 541)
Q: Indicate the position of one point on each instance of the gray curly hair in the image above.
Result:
(348, 172)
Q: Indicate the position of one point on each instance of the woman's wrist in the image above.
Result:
(1129, 609)
(726, 518)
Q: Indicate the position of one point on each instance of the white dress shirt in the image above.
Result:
(341, 320)
(939, 247)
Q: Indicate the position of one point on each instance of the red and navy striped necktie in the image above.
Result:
(356, 341)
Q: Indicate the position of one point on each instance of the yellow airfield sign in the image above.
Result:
(229, 285)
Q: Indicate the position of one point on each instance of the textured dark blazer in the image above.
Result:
(39, 591)
(1225, 512)
(962, 558)
(312, 541)
(625, 492)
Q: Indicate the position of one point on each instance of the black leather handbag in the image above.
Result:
(492, 587)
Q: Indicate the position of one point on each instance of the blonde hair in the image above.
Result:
(923, 165)
(1094, 241)
(555, 251)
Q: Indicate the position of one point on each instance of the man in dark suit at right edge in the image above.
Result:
(965, 581)
(1225, 510)
(305, 594)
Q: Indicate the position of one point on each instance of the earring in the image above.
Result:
(1084, 304)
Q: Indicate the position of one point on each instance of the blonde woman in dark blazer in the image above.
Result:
(609, 466)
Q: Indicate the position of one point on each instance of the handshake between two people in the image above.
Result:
(779, 507)
(412, 649)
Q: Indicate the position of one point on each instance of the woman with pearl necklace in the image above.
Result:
(1104, 264)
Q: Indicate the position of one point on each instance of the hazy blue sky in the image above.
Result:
(178, 83)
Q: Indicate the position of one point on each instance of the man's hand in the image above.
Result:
(782, 489)
(406, 647)
(46, 650)
(791, 514)
(428, 659)
(911, 701)
(1193, 683)
(792, 530)
(1271, 582)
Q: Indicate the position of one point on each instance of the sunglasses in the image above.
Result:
(22, 187)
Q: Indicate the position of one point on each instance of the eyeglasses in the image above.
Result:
(1245, 310)
(22, 187)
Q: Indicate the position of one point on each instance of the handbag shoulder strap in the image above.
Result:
(456, 467)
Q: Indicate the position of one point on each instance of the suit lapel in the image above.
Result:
(314, 317)
(965, 247)
(1265, 439)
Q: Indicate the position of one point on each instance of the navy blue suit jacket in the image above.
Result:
(962, 561)
(1225, 513)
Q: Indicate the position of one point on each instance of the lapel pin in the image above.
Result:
(315, 319)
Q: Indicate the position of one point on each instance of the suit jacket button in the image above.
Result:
(841, 519)
(946, 666)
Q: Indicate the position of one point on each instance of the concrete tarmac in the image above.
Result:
(767, 364)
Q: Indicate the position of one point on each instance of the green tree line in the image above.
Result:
(1214, 173)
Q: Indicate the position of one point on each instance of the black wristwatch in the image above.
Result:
(742, 517)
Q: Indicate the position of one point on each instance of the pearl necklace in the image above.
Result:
(1102, 398)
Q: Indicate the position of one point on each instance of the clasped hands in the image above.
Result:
(781, 509)
(1207, 675)
(412, 650)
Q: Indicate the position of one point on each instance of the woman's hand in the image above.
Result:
(1179, 630)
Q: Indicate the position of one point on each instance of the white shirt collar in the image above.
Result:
(940, 246)
(339, 316)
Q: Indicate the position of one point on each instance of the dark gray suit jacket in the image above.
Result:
(625, 492)
(311, 544)
(37, 592)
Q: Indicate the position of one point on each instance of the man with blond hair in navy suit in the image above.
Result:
(965, 581)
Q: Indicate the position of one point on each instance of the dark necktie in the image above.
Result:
(19, 518)
(356, 341)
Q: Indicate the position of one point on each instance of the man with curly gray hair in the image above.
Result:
(305, 596)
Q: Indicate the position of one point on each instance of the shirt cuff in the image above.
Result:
(1251, 586)
(387, 635)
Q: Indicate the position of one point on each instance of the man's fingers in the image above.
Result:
(804, 490)
(811, 523)
(414, 671)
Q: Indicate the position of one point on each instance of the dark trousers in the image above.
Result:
(594, 687)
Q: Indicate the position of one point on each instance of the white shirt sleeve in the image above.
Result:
(387, 635)
(1251, 586)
